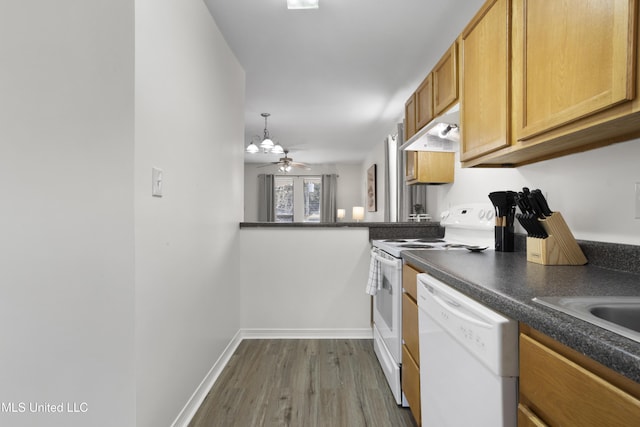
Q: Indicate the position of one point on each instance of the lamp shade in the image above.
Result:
(302, 4)
(267, 144)
(277, 149)
(340, 213)
(252, 148)
(357, 213)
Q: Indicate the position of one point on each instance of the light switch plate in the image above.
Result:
(156, 182)
(637, 198)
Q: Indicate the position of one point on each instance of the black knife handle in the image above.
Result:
(542, 201)
(523, 203)
(535, 206)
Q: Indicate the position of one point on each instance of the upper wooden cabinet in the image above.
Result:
(573, 75)
(410, 117)
(424, 102)
(573, 61)
(429, 167)
(437, 92)
(445, 81)
(485, 75)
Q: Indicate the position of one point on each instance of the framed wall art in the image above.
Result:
(371, 189)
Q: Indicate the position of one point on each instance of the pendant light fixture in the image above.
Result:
(267, 145)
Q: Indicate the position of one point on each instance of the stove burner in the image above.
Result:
(395, 240)
(416, 246)
(430, 240)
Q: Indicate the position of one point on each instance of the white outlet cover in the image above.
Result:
(156, 182)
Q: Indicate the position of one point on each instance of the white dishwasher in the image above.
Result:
(468, 360)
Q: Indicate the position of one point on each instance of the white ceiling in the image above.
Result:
(335, 79)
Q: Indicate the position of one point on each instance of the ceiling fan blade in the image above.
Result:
(300, 166)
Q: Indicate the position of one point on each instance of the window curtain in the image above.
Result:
(266, 209)
(328, 205)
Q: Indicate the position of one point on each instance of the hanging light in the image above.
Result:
(252, 148)
(277, 149)
(302, 4)
(267, 143)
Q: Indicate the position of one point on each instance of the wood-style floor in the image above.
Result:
(306, 383)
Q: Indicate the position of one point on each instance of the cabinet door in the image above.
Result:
(410, 326)
(574, 58)
(564, 393)
(411, 166)
(485, 69)
(445, 81)
(424, 102)
(411, 384)
(410, 281)
(410, 117)
(526, 418)
(430, 167)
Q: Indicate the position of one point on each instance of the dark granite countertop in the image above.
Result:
(425, 224)
(506, 282)
(377, 230)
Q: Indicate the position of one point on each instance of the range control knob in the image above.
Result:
(481, 214)
(444, 215)
(489, 216)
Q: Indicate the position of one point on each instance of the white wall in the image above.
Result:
(594, 190)
(305, 279)
(349, 192)
(67, 221)
(189, 122)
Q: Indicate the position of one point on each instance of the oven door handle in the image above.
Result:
(397, 264)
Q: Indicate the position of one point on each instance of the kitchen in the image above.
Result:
(177, 292)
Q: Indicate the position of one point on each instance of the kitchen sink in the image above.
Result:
(620, 315)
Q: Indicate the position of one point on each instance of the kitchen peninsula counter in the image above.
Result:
(377, 230)
(506, 282)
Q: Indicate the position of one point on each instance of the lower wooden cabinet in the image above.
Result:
(526, 418)
(560, 387)
(410, 281)
(410, 341)
(410, 334)
(411, 383)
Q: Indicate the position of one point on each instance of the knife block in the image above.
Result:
(559, 248)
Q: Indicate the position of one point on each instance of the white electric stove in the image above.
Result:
(467, 227)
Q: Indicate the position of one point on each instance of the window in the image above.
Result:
(297, 198)
(283, 195)
(312, 188)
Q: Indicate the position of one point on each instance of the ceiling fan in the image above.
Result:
(286, 163)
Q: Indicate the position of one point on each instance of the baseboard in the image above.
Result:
(190, 409)
(198, 396)
(364, 333)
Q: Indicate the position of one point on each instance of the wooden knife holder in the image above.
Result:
(559, 248)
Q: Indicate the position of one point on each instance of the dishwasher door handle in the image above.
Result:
(455, 309)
